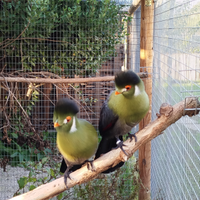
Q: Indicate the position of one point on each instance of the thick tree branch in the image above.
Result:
(167, 116)
(134, 6)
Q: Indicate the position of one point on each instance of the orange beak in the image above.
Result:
(116, 93)
(56, 124)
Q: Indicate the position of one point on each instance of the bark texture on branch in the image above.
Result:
(63, 80)
(167, 116)
(135, 5)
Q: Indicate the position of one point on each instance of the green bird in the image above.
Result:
(77, 139)
(123, 109)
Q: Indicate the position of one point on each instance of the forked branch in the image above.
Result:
(167, 116)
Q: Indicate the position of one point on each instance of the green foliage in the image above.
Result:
(124, 184)
(19, 143)
(18, 152)
(121, 184)
(72, 37)
(39, 173)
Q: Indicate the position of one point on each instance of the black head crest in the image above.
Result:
(66, 105)
(126, 78)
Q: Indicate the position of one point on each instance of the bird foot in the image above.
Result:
(66, 175)
(120, 145)
(131, 137)
(90, 165)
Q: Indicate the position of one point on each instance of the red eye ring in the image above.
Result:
(128, 87)
(68, 118)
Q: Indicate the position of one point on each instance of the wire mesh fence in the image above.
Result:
(175, 154)
(44, 40)
(134, 42)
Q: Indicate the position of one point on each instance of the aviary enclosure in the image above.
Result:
(51, 49)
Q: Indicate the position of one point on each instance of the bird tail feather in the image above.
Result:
(63, 167)
(106, 145)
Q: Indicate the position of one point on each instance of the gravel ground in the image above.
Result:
(8, 181)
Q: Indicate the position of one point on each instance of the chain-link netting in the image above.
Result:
(48, 39)
(45, 40)
(175, 154)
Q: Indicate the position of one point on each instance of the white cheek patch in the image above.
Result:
(65, 121)
(124, 90)
(137, 91)
(73, 127)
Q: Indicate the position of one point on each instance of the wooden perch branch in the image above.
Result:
(167, 116)
(62, 80)
(134, 6)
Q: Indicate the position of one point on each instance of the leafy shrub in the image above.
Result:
(124, 183)
(61, 36)
(19, 139)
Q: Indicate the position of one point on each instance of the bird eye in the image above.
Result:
(68, 118)
(128, 87)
